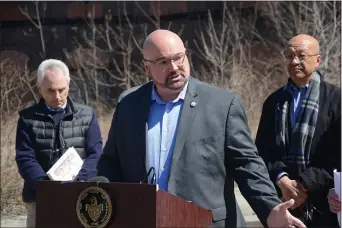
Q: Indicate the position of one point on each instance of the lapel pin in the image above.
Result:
(193, 104)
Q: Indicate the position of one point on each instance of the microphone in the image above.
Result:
(153, 180)
(98, 179)
(148, 174)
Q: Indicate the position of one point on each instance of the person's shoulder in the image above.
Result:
(135, 92)
(331, 89)
(211, 90)
(328, 89)
(83, 110)
(274, 96)
(128, 91)
(29, 111)
(330, 95)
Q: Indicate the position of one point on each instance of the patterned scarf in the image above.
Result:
(296, 153)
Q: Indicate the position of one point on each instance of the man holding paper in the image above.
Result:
(49, 128)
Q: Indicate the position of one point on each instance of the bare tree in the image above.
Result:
(234, 54)
(231, 59)
(106, 58)
(17, 89)
(319, 19)
(230, 53)
(17, 84)
(113, 51)
(103, 59)
(36, 22)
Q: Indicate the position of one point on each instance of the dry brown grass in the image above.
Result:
(16, 91)
(104, 116)
(11, 182)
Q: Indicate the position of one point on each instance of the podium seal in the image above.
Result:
(94, 207)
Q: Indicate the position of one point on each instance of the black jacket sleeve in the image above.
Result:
(249, 170)
(109, 162)
(266, 141)
(319, 175)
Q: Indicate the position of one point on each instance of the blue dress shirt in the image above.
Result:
(298, 95)
(162, 126)
(56, 110)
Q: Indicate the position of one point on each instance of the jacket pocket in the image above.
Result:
(209, 155)
(206, 140)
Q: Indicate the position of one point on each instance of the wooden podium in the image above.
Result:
(133, 205)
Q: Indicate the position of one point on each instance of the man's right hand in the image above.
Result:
(291, 189)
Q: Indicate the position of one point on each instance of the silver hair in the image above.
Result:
(52, 64)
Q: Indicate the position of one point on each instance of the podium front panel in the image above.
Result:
(133, 205)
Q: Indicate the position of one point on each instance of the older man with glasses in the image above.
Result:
(299, 135)
(193, 136)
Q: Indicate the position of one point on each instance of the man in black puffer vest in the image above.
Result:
(47, 129)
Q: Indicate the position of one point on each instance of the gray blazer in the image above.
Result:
(213, 148)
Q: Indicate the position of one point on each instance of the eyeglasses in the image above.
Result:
(164, 63)
(301, 58)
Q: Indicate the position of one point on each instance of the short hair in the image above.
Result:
(52, 64)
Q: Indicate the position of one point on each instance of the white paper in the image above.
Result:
(67, 166)
(337, 185)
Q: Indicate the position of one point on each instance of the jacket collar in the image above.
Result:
(43, 109)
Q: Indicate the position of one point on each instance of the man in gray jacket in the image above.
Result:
(194, 135)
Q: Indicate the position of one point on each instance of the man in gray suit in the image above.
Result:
(194, 135)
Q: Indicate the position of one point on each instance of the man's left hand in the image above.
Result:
(281, 217)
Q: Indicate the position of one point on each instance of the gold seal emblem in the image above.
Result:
(94, 207)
